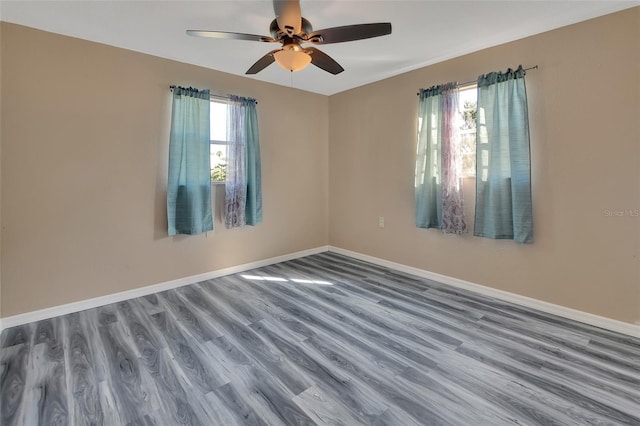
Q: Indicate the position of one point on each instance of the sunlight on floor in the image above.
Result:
(277, 279)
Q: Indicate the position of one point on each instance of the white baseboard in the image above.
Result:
(95, 302)
(573, 314)
(550, 308)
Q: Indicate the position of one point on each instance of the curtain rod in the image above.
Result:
(466, 83)
(211, 95)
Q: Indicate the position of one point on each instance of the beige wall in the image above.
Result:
(0, 177)
(84, 154)
(585, 113)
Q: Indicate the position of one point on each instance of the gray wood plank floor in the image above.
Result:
(324, 340)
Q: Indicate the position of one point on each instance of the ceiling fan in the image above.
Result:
(292, 30)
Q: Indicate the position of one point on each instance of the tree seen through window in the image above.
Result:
(468, 112)
(219, 139)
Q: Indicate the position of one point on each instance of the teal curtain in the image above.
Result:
(253, 206)
(243, 189)
(428, 191)
(503, 164)
(189, 181)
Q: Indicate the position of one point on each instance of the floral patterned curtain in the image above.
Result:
(452, 204)
(236, 182)
(243, 193)
(438, 179)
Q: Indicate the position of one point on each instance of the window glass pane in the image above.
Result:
(218, 121)
(218, 155)
(219, 133)
(468, 111)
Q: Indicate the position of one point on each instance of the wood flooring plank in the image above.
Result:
(202, 330)
(325, 410)
(349, 354)
(592, 354)
(124, 377)
(357, 327)
(82, 383)
(550, 351)
(360, 399)
(375, 380)
(243, 312)
(100, 368)
(184, 355)
(278, 402)
(14, 363)
(628, 353)
(45, 391)
(106, 315)
(522, 404)
(320, 340)
(18, 335)
(150, 304)
(259, 300)
(463, 404)
(597, 409)
(258, 393)
(250, 342)
(388, 290)
(395, 416)
(375, 319)
(176, 407)
(243, 413)
(384, 323)
(112, 412)
(317, 320)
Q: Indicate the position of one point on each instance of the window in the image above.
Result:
(446, 152)
(219, 139)
(467, 99)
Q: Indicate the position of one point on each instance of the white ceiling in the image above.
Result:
(424, 32)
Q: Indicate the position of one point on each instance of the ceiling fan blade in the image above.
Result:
(349, 33)
(262, 63)
(230, 36)
(289, 16)
(324, 61)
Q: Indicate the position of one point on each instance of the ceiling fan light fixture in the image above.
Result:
(292, 59)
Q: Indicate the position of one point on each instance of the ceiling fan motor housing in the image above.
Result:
(278, 34)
